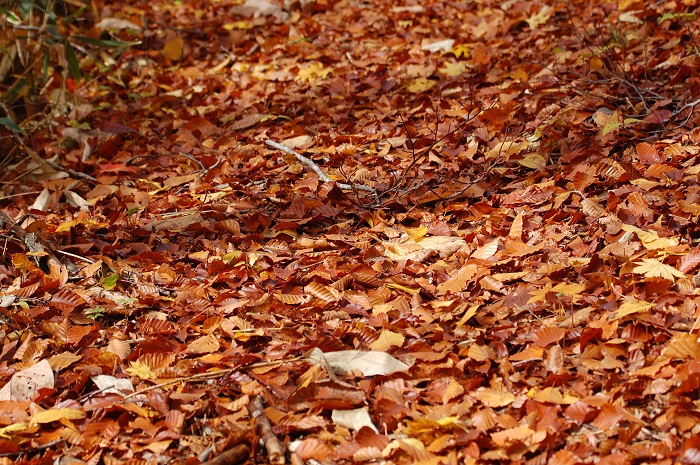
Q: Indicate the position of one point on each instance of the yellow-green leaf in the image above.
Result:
(420, 85)
(6, 432)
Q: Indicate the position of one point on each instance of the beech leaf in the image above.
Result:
(25, 384)
(353, 419)
(369, 363)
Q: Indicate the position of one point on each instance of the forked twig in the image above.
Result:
(310, 163)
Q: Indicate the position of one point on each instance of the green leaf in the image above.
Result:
(11, 125)
(674, 16)
(611, 126)
(110, 282)
(73, 64)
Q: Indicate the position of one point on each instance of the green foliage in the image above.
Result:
(44, 45)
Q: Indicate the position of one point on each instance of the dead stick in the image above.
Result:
(206, 375)
(238, 454)
(310, 163)
(33, 243)
(275, 449)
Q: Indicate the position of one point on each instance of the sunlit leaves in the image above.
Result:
(653, 268)
(460, 51)
(420, 84)
(386, 340)
(650, 239)
(453, 68)
(140, 370)
(173, 49)
(562, 289)
(494, 398)
(632, 306)
(48, 416)
(313, 72)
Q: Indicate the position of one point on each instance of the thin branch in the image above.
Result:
(310, 163)
(203, 376)
(275, 449)
(237, 454)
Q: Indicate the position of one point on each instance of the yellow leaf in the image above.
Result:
(453, 68)
(313, 72)
(540, 295)
(516, 229)
(410, 290)
(494, 398)
(486, 251)
(386, 340)
(540, 17)
(203, 345)
(140, 370)
(652, 268)
(6, 431)
(534, 161)
(237, 25)
(650, 239)
(569, 289)
(420, 85)
(470, 313)
(454, 389)
(424, 425)
(459, 280)
(172, 50)
(561, 289)
(632, 306)
(461, 50)
(611, 127)
(417, 233)
(549, 394)
(47, 416)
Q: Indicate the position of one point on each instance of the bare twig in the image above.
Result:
(204, 376)
(310, 163)
(419, 155)
(33, 243)
(48, 445)
(275, 449)
(237, 454)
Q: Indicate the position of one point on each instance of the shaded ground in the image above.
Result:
(529, 251)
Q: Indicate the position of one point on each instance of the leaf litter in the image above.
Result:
(515, 280)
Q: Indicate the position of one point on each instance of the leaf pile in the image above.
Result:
(520, 286)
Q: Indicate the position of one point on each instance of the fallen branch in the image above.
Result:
(33, 242)
(238, 454)
(275, 449)
(310, 163)
(205, 376)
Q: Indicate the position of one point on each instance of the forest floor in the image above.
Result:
(508, 274)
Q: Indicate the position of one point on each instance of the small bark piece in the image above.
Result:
(275, 449)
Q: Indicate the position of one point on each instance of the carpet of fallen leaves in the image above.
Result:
(519, 287)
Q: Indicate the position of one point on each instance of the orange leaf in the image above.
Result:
(546, 336)
(531, 353)
(66, 301)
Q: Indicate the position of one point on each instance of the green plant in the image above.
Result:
(46, 48)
